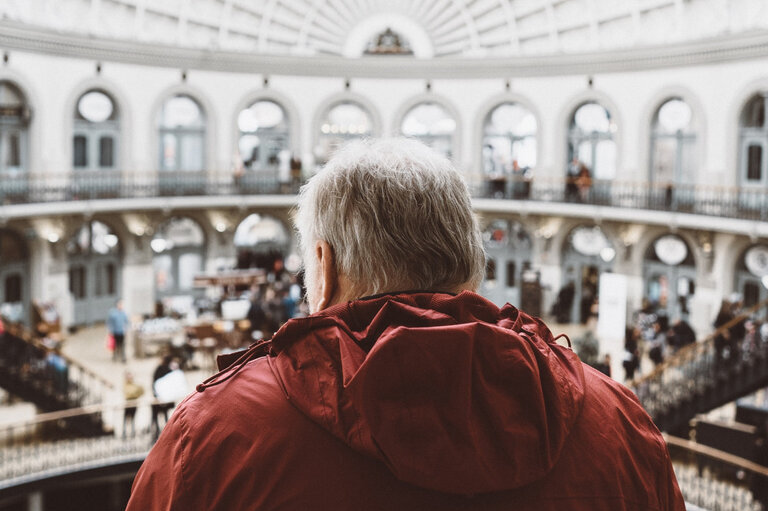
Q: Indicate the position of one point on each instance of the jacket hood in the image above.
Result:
(451, 393)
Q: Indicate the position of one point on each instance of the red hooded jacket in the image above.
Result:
(409, 401)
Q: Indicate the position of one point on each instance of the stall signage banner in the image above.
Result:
(612, 306)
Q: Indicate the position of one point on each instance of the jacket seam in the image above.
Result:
(316, 373)
(184, 427)
(663, 496)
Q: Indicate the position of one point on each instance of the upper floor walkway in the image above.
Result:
(93, 192)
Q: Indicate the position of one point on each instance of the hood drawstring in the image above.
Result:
(566, 338)
(259, 349)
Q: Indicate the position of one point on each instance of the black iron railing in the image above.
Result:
(703, 376)
(73, 186)
(721, 201)
(40, 374)
(731, 202)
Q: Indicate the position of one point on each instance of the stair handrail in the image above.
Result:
(717, 454)
(688, 352)
(19, 331)
(42, 418)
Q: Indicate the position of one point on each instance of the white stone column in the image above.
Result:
(49, 277)
(35, 501)
(138, 279)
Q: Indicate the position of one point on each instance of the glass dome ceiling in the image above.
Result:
(421, 28)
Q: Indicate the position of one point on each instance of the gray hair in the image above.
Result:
(397, 215)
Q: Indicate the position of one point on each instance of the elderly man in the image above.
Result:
(404, 390)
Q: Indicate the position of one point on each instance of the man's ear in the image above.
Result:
(329, 279)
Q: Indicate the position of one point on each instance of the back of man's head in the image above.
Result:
(398, 217)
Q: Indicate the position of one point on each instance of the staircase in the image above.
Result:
(697, 379)
(50, 380)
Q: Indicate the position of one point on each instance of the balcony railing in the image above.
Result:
(42, 447)
(53, 187)
(709, 478)
(715, 480)
(721, 201)
(730, 202)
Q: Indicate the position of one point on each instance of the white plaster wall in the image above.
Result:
(57, 291)
(720, 87)
(138, 288)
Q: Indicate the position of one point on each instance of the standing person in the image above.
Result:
(605, 366)
(738, 331)
(131, 392)
(681, 334)
(723, 338)
(117, 323)
(572, 174)
(167, 364)
(385, 398)
(658, 343)
(631, 358)
(256, 316)
(584, 183)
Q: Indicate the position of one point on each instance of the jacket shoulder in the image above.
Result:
(213, 442)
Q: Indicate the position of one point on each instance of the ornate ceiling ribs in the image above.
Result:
(455, 28)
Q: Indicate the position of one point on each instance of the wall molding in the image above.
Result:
(728, 48)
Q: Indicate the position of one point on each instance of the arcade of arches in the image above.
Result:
(102, 258)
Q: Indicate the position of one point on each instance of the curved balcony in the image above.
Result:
(39, 449)
(718, 201)
(32, 462)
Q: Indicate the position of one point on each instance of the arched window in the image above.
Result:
(94, 270)
(432, 124)
(753, 131)
(590, 140)
(509, 135)
(343, 121)
(673, 144)
(96, 132)
(14, 269)
(670, 274)
(14, 123)
(264, 141)
(178, 248)
(752, 275)
(587, 254)
(182, 134)
(260, 241)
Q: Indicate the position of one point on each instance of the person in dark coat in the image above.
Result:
(167, 364)
(562, 307)
(631, 360)
(681, 334)
(723, 335)
(658, 344)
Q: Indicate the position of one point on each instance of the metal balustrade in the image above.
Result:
(39, 448)
(75, 186)
(715, 480)
(29, 452)
(698, 379)
(720, 201)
